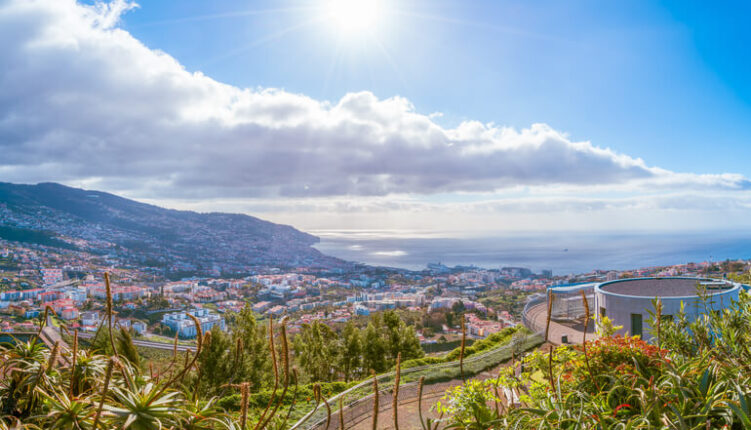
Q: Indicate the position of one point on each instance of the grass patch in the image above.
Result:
(493, 341)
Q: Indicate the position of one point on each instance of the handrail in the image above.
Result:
(532, 302)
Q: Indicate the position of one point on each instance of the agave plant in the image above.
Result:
(22, 351)
(28, 370)
(468, 405)
(226, 423)
(86, 372)
(741, 407)
(201, 415)
(67, 413)
(83, 389)
(144, 407)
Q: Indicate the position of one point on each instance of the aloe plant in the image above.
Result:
(80, 388)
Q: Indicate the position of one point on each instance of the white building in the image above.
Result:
(52, 276)
(78, 295)
(139, 327)
(184, 325)
(90, 319)
(627, 302)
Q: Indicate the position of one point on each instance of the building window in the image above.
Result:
(602, 311)
(636, 325)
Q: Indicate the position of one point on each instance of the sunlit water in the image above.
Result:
(561, 252)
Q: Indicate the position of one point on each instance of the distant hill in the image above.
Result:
(58, 216)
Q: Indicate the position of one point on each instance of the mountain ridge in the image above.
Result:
(104, 223)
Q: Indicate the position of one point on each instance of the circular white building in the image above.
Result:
(627, 302)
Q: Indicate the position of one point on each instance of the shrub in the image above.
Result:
(492, 341)
(417, 362)
(260, 399)
(698, 378)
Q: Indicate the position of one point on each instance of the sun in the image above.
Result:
(354, 16)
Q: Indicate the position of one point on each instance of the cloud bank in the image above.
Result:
(82, 101)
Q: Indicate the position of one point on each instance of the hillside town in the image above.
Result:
(111, 230)
(71, 284)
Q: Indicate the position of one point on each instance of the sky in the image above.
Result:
(414, 115)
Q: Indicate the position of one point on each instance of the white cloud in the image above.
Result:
(82, 101)
(410, 216)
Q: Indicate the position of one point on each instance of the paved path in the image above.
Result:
(538, 314)
(50, 335)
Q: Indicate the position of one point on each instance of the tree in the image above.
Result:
(126, 348)
(434, 320)
(400, 338)
(410, 344)
(157, 303)
(350, 359)
(458, 307)
(316, 347)
(215, 365)
(449, 319)
(374, 346)
(256, 360)
(100, 343)
(393, 333)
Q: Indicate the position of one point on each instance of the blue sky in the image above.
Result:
(440, 116)
(664, 81)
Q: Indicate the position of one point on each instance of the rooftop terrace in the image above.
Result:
(667, 287)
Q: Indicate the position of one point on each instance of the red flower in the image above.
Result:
(621, 406)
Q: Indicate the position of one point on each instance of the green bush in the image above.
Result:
(260, 399)
(493, 341)
(417, 362)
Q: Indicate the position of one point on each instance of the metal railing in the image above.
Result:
(528, 322)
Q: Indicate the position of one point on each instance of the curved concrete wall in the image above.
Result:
(620, 307)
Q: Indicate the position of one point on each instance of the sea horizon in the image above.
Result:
(562, 252)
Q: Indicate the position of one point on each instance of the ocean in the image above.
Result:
(563, 253)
